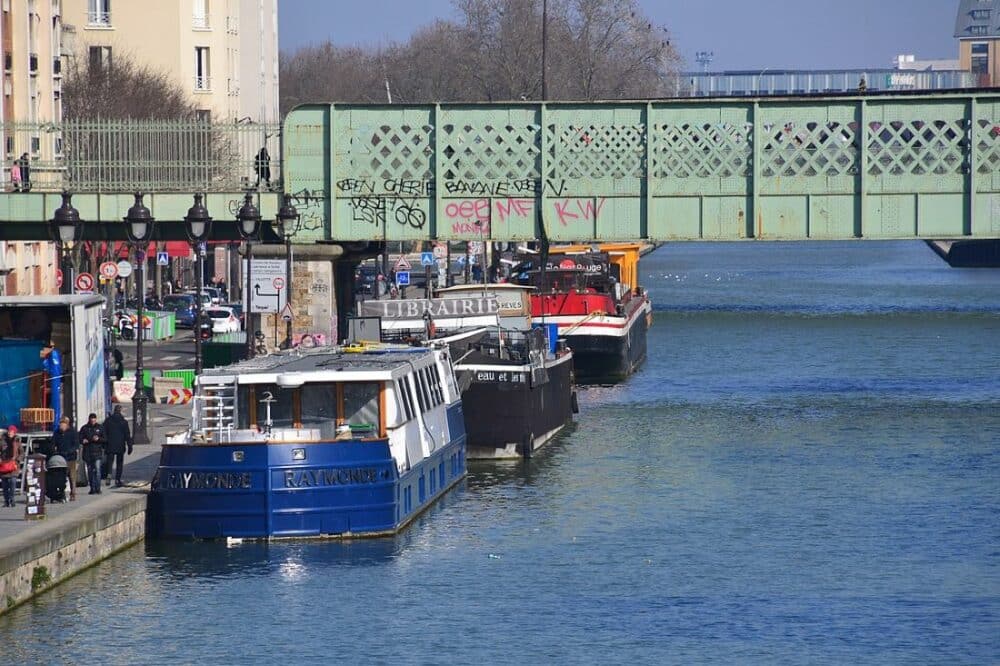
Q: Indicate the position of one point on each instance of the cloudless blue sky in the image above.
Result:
(790, 34)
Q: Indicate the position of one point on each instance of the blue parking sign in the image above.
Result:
(427, 259)
(403, 278)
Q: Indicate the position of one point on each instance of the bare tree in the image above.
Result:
(597, 49)
(122, 89)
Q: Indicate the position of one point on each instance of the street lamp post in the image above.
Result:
(759, 76)
(199, 224)
(139, 228)
(248, 224)
(67, 227)
(287, 214)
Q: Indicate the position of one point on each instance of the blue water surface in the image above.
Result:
(804, 471)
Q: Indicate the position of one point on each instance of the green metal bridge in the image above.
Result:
(834, 167)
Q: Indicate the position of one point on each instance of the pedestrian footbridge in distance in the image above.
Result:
(790, 168)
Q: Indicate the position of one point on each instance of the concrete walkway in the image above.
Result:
(139, 469)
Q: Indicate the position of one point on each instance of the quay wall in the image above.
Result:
(65, 546)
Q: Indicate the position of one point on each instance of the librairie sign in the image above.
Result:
(416, 308)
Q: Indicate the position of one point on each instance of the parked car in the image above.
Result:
(224, 320)
(237, 309)
(206, 298)
(216, 294)
(182, 305)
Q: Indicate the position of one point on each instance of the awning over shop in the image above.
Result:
(174, 249)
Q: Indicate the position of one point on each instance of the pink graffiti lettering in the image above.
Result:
(570, 210)
(471, 228)
(513, 208)
(465, 209)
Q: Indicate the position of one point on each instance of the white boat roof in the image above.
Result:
(323, 364)
(479, 288)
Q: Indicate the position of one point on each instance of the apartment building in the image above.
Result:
(30, 40)
(224, 52)
(977, 29)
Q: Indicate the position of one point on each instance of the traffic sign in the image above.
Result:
(84, 282)
(124, 269)
(162, 258)
(59, 278)
(475, 247)
(426, 258)
(403, 278)
(265, 294)
(402, 264)
(440, 250)
(109, 270)
(286, 313)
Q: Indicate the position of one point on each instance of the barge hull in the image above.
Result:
(505, 420)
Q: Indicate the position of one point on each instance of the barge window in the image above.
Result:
(425, 388)
(281, 408)
(418, 383)
(436, 383)
(361, 404)
(403, 393)
(319, 408)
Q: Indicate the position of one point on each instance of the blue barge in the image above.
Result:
(314, 443)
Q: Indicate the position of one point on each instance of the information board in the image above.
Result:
(34, 483)
(268, 291)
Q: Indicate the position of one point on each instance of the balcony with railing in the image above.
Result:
(202, 84)
(200, 22)
(97, 18)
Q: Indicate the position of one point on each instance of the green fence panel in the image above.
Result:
(186, 375)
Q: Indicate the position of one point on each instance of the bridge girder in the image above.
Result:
(790, 168)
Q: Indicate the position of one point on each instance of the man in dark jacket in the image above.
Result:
(118, 438)
(66, 442)
(93, 438)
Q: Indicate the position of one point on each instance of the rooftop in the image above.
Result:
(378, 359)
(978, 19)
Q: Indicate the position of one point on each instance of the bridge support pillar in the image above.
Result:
(322, 290)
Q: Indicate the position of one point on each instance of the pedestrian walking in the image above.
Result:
(93, 439)
(119, 439)
(262, 166)
(66, 443)
(23, 165)
(10, 453)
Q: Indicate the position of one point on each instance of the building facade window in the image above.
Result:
(978, 29)
(980, 64)
(202, 68)
(100, 58)
(200, 17)
(99, 13)
(981, 14)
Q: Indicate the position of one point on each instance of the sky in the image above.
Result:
(749, 34)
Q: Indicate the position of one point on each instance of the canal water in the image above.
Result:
(804, 471)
